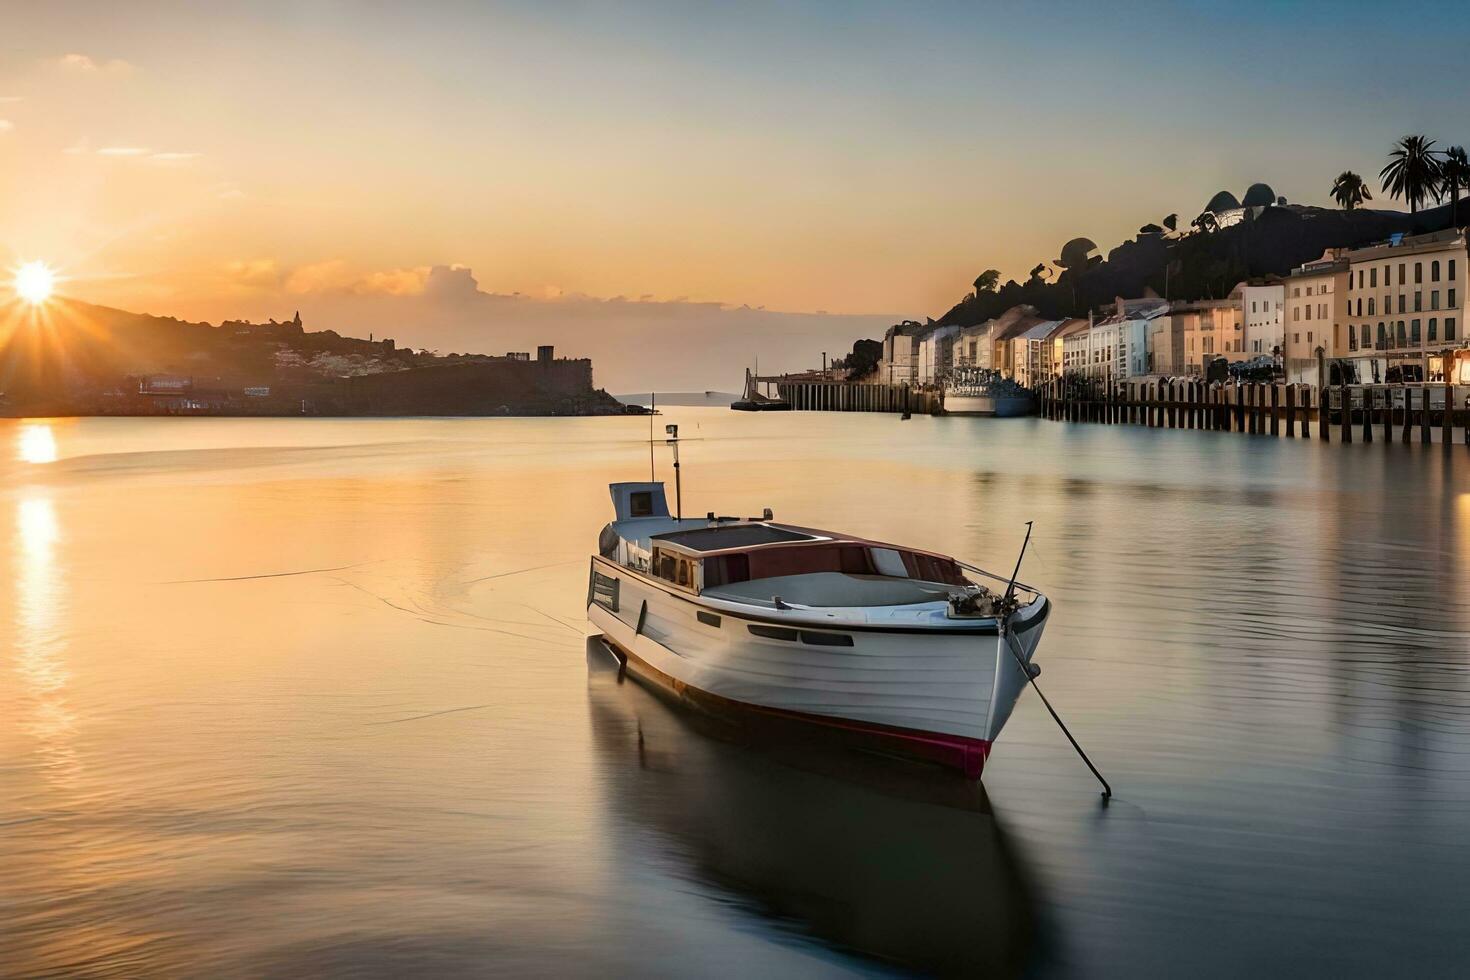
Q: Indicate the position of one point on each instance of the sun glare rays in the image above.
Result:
(34, 282)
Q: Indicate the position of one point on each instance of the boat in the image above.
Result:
(895, 650)
(754, 401)
(987, 395)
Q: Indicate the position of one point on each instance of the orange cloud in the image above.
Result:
(87, 65)
(254, 273)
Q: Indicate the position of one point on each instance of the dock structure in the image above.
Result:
(815, 394)
(1412, 412)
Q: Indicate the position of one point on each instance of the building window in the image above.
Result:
(1309, 336)
(1450, 301)
(1367, 337)
(1382, 336)
(1414, 331)
(1433, 329)
(1418, 301)
(1403, 338)
(1434, 299)
(1309, 311)
(1403, 301)
(1401, 273)
(1296, 338)
(1418, 272)
(1360, 306)
(1373, 276)
(1296, 292)
(1449, 328)
(1451, 275)
(1360, 278)
(1434, 271)
(1370, 306)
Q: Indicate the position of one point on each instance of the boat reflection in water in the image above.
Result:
(875, 856)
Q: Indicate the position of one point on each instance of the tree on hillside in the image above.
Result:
(1350, 191)
(1206, 222)
(1171, 222)
(1455, 174)
(1413, 171)
(1040, 273)
(987, 281)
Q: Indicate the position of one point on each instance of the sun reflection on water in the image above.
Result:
(35, 443)
(40, 648)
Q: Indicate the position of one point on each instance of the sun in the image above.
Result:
(34, 282)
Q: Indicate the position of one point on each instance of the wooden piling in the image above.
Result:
(1291, 411)
(1408, 413)
(1346, 407)
(1424, 438)
(1447, 421)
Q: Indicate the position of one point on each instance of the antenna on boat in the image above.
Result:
(652, 411)
(673, 440)
(1011, 585)
(1008, 638)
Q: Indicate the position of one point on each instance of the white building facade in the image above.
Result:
(936, 349)
(1261, 309)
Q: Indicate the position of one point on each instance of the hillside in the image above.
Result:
(74, 358)
(1197, 265)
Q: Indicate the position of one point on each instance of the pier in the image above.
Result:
(1424, 413)
(830, 395)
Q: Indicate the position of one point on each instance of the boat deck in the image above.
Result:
(832, 589)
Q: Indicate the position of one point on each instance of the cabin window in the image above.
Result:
(889, 562)
(726, 570)
(682, 566)
(773, 632)
(640, 504)
(708, 619)
(603, 590)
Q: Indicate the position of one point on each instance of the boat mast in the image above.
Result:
(673, 440)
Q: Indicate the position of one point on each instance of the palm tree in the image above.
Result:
(1349, 191)
(1413, 171)
(1455, 174)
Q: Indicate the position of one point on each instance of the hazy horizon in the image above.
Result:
(656, 176)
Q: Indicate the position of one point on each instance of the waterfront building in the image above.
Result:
(1057, 352)
(900, 353)
(1004, 330)
(1115, 347)
(1211, 328)
(1031, 353)
(1165, 343)
(1313, 324)
(1404, 308)
(972, 347)
(1261, 302)
(936, 348)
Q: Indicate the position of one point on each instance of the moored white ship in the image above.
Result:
(989, 395)
(904, 651)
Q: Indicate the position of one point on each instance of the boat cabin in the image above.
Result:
(757, 561)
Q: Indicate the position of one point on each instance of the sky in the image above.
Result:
(797, 173)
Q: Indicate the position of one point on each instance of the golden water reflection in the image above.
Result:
(35, 442)
(40, 602)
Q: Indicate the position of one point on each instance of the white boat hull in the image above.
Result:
(939, 694)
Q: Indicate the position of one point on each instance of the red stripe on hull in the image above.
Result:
(967, 755)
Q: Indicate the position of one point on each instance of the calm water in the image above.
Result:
(283, 696)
